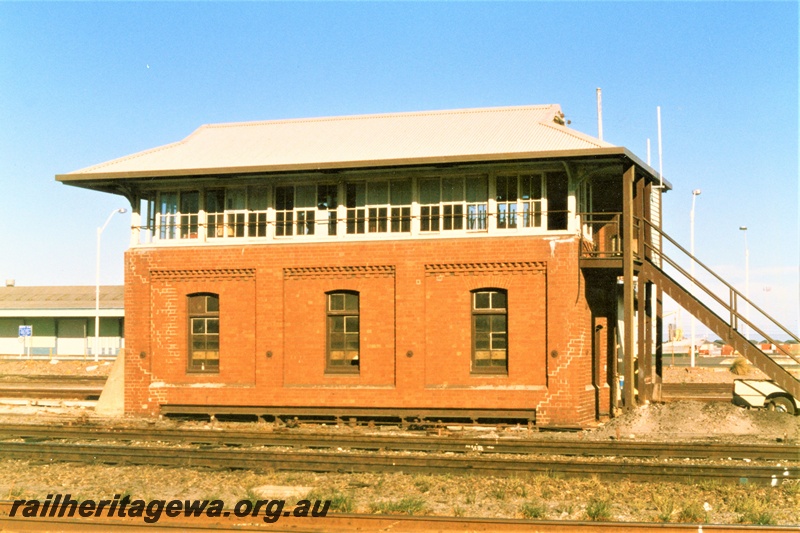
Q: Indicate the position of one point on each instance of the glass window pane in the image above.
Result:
(212, 325)
(525, 187)
(212, 344)
(337, 323)
(212, 304)
(337, 341)
(481, 341)
(336, 302)
(234, 199)
(196, 305)
(499, 300)
(258, 198)
(481, 300)
(536, 187)
(498, 341)
(351, 324)
(190, 202)
(305, 196)
(477, 189)
(401, 192)
(351, 301)
(284, 198)
(215, 201)
(501, 188)
(198, 344)
(512, 188)
(351, 342)
(356, 194)
(198, 325)
(378, 193)
(482, 323)
(429, 191)
(498, 323)
(169, 203)
(452, 189)
(326, 196)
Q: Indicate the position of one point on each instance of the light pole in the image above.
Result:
(96, 349)
(695, 194)
(746, 281)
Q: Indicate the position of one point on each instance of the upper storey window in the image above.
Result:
(236, 212)
(379, 207)
(524, 202)
(456, 203)
(305, 210)
(520, 201)
(178, 214)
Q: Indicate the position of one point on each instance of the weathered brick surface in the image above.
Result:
(415, 325)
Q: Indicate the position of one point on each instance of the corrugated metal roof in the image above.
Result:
(355, 140)
(61, 297)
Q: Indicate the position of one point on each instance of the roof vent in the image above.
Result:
(560, 120)
(10, 283)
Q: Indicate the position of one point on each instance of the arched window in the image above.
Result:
(489, 331)
(343, 332)
(204, 332)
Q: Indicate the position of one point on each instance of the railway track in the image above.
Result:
(346, 523)
(52, 387)
(268, 459)
(431, 444)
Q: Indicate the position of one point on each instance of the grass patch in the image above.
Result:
(755, 511)
(692, 513)
(408, 505)
(340, 501)
(665, 506)
(598, 510)
(533, 510)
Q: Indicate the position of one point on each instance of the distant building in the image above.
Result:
(62, 320)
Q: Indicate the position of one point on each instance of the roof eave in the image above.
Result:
(86, 179)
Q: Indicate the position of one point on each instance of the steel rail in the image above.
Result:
(347, 523)
(34, 388)
(260, 459)
(474, 446)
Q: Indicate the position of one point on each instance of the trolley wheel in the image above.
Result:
(781, 404)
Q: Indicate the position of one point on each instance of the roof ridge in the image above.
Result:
(397, 114)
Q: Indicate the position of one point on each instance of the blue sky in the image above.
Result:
(82, 83)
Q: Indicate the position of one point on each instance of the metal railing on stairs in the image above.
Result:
(709, 297)
(726, 316)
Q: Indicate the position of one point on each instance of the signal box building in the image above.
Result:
(452, 264)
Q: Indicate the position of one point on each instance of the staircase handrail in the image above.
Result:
(735, 294)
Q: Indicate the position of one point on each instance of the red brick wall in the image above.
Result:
(415, 322)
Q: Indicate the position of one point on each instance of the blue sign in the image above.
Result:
(26, 331)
